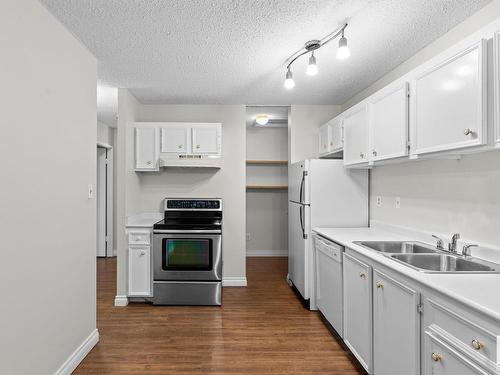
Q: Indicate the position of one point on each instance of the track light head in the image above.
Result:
(312, 67)
(289, 82)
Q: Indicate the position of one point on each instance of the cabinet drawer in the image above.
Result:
(441, 359)
(139, 238)
(329, 248)
(479, 341)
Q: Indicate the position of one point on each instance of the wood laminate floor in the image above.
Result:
(261, 329)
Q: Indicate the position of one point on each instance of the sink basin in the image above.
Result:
(444, 263)
(397, 247)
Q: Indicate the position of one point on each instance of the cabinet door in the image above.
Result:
(323, 139)
(358, 309)
(139, 271)
(389, 123)
(174, 139)
(396, 327)
(440, 358)
(356, 136)
(146, 149)
(449, 103)
(206, 139)
(496, 85)
(336, 135)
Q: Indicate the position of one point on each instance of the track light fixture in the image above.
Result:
(312, 45)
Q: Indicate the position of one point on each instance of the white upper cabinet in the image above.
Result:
(146, 149)
(448, 103)
(356, 135)
(496, 85)
(174, 139)
(336, 134)
(323, 139)
(206, 139)
(331, 137)
(388, 111)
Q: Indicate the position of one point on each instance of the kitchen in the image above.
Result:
(338, 223)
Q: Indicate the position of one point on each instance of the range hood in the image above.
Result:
(190, 161)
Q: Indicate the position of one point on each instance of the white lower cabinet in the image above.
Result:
(358, 310)
(396, 327)
(139, 266)
(440, 358)
(139, 262)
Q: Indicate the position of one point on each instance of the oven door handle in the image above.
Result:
(197, 231)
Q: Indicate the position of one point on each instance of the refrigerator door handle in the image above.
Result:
(302, 187)
(304, 235)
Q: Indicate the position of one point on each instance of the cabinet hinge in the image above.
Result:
(420, 308)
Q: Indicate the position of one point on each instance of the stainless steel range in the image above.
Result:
(187, 253)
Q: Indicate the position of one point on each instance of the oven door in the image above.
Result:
(187, 256)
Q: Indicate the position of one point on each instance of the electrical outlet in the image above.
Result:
(248, 236)
(91, 191)
(379, 201)
(398, 202)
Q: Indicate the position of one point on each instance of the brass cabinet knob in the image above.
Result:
(436, 357)
(197, 146)
(468, 131)
(361, 155)
(149, 163)
(180, 146)
(476, 344)
(380, 285)
(362, 275)
(374, 153)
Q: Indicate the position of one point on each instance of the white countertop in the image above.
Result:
(479, 291)
(144, 220)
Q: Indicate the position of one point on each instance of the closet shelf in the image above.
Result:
(267, 187)
(267, 162)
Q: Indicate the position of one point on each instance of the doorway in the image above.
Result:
(104, 201)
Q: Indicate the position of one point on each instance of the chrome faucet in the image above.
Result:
(466, 249)
(452, 246)
(439, 242)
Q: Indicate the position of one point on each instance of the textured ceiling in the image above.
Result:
(232, 51)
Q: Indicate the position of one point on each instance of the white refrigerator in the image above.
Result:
(321, 193)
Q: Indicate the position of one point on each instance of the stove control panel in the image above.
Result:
(193, 204)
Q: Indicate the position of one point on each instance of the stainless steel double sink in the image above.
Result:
(426, 258)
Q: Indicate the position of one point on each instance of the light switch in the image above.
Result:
(379, 201)
(91, 191)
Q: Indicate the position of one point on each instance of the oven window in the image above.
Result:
(187, 254)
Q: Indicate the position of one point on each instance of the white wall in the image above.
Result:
(146, 191)
(441, 196)
(127, 182)
(267, 223)
(444, 196)
(303, 124)
(48, 153)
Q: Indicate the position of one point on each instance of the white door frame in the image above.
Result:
(108, 212)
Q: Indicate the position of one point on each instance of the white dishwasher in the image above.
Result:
(329, 281)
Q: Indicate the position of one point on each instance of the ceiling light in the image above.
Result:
(343, 51)
(312, 68)
(262, 119)
(289, 82)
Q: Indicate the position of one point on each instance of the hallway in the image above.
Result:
(261, 329)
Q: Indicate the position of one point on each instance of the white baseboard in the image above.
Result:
(234, 281)
(121, 301)
(79, 354)
(267, 253)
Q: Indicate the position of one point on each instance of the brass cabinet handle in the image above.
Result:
(380, 285)
(197, 146)
(180, 146)
(361, 155)
(362, 275)
(374, 153)
(476, 344)
(436, 357)
(468, 131)
(149, 163)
